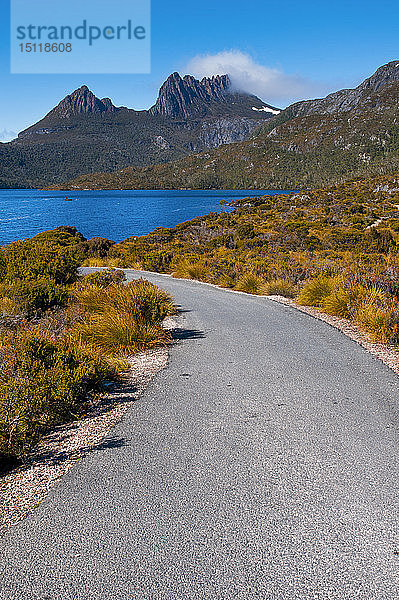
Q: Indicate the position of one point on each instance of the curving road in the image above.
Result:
(262, 464)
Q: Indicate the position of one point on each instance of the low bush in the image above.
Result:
(39, 259)
(280, 287)
(52, 366)
(249, 283)
(27, 298)
(102, 278)
(110, 262)
(43, 382)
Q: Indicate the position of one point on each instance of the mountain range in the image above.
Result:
(204, 134)
(85, 134)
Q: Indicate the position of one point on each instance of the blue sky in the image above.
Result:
(290, 50)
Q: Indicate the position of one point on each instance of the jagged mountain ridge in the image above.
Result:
(182, 96)
(84, 133)
(351, 133)
(187, 96)
(350, 99)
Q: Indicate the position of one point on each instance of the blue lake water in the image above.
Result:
(114, 214)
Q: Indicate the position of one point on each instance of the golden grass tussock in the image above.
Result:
(278, 287)
(315, 291)
(249, 283)
(191, 270)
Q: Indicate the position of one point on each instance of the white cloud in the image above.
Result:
(270, 84)
(7, 136)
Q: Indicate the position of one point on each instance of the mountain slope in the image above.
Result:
(85, 134)
(350, 133)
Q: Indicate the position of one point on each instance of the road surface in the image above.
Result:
(261, 464)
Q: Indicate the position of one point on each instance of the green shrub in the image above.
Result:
(43, 382)
(30, 297)
(29, 260)
(97, 247)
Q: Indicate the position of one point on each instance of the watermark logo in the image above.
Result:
(90, 36)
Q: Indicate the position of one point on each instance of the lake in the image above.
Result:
(113, 214)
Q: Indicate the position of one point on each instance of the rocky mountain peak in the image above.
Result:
(182, 96)
(351, 99)
(82, 100)
(385, 75)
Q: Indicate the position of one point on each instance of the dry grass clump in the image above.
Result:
(371, 308)
(191, 270)
(124, 319)
(226, 281)
(279, 287)
(338, 303)
(380, 323)
(315, 291)
(121, 334)
(249, 283)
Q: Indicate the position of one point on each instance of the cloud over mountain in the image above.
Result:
(6, 135)
(269, 84)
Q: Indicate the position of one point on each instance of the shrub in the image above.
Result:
(30, 297)
(280, 287)
(30, 260)
(97, 247)
(249, 283)
(43, 381)
(102, 278)
(315, 291)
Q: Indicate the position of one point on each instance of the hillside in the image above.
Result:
(352, 229)
(85, 134)
(351, 133)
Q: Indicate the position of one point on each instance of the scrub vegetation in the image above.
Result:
(335, 248)
(62, 336)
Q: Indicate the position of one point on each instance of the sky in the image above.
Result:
(282, 51)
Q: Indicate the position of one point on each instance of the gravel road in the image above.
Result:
(261, 464)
